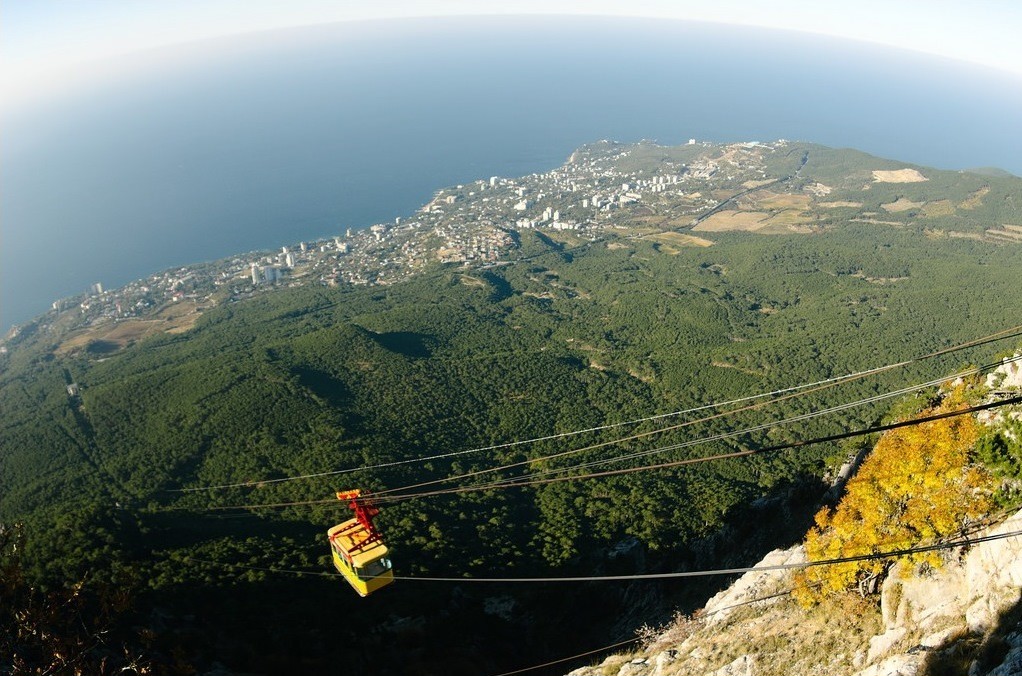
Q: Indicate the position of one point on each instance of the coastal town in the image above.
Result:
(604, 190)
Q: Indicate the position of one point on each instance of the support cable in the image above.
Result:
(872, 556)
(789, 392)
(720, 456)
(384, 494)
(757, 428)
(665, 465)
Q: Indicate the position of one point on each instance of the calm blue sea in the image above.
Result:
(247, 143)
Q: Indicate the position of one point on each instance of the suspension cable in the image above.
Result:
(711, 572)
(757, 428)
(665, 465)
(872, 556)
(789, 392)
(384, 493)
(721, 456)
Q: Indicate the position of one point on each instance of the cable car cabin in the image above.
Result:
(366, 569)
(358, 550)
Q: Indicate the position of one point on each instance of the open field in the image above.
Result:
(787, 221)
(839, 204)
(771, 201)
(176, 318)
(729, 221)
(901, 204)
(1007, 233)
(818, 189)
(874, 221)
(679, 239)
(938, 209)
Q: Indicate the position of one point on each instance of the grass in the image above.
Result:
(774, 201)
(730, 221)
(175, 318)
(901, 204)
(679, 239)
(781, 639)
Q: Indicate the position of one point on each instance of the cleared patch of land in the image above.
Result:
(565, 237)
(176, 318)
(839, 204)
(1007, 233)
(898, 176)
(975, 199)
(679, 239)
(789, 220)
(938, 208)
(901, 204)
(873, 221)
(783, 229)
(771, 200)
(878, 280)
(468, 280)
(729, 221)
(953, 234)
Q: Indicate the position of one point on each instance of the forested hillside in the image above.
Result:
(565, 334)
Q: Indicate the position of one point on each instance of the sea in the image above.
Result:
(201, 151)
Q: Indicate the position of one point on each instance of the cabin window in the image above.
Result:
(374, 568)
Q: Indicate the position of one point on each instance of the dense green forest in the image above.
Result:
(570, 336)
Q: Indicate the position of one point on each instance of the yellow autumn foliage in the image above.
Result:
(916, 486)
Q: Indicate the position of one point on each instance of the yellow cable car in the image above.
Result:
(357, 547)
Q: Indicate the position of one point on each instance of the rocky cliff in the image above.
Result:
(963, 617)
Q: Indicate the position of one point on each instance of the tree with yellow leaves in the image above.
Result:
(917, 485)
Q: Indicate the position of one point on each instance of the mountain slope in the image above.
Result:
(955, 611)
(418, 352)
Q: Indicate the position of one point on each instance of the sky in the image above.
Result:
(46, 42)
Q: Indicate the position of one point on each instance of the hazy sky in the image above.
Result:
(42, 39)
